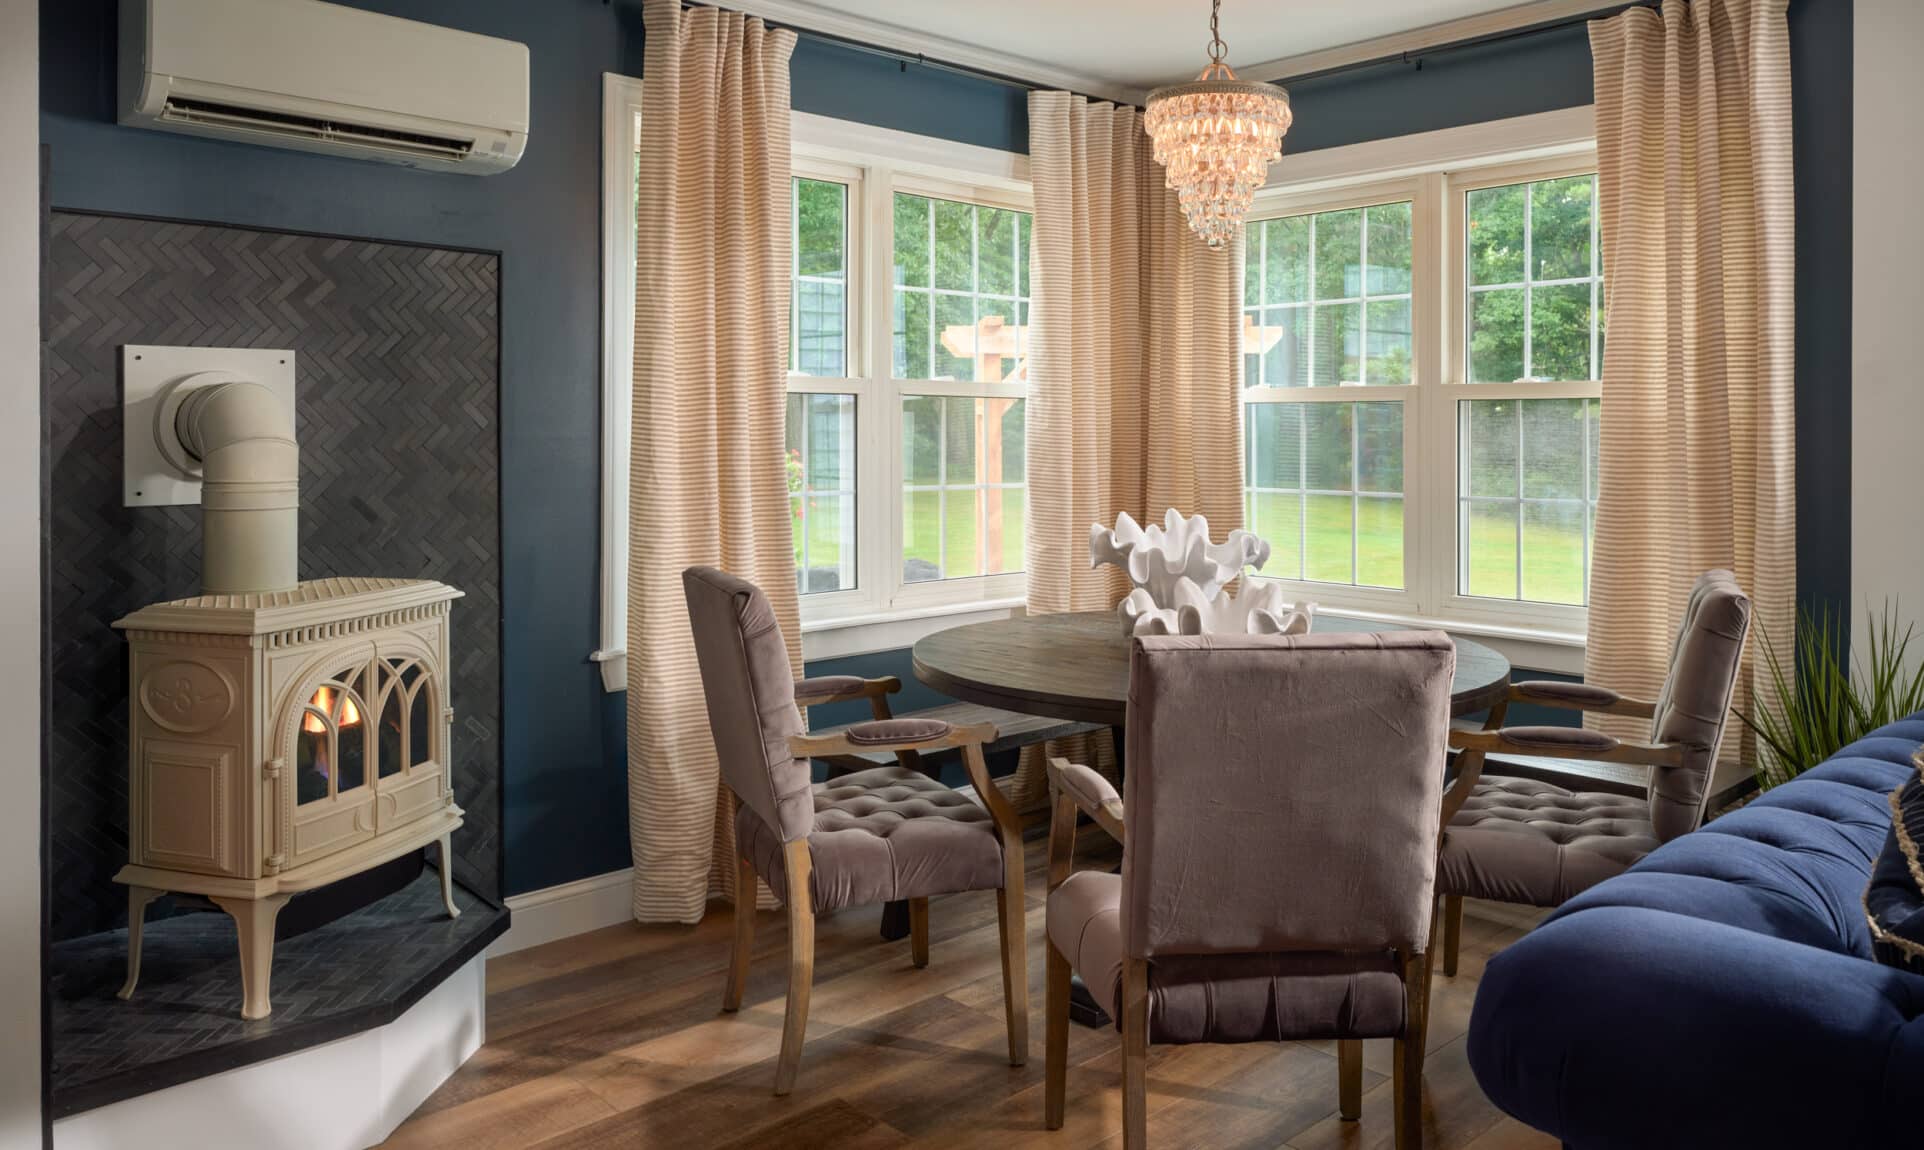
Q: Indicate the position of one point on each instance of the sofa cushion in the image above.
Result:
(1793, 862)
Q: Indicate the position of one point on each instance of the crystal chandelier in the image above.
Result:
(1215, 138)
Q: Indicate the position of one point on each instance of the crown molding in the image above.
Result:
(1418, 40)
(940, 49)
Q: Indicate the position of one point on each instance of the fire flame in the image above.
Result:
(323, 701)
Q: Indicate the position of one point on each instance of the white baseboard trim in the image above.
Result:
(343, 1095)
(563, 911)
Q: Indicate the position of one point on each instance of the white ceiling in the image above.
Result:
(1141, 43)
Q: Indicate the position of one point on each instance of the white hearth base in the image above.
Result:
(345, 1095)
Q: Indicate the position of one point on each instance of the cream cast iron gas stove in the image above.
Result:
(281, 735)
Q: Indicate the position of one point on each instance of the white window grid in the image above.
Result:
(942, 488)
(808, 290)
(1450, 419)
(1356, 494)
(1013, 308)
(1434, 550)
(1314, 306)
(881, 587)
(843, 495)
(1585, 504)
(1350, 592)
(1593, 279)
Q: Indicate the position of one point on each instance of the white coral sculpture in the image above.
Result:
(1259, 610)
(1156, 558)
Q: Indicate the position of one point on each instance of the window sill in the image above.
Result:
(1527, 648)
(892, 630)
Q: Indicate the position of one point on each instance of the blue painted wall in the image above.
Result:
(564, 761)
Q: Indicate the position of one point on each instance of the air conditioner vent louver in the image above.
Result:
(327, 79)
(233, 116)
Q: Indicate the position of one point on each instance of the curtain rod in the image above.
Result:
(1415, 58)
(901, 57)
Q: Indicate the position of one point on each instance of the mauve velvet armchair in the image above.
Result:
(877, 835)
(1523, 841)
(1283, 802)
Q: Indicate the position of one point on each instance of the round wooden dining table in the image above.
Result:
(1075, 665)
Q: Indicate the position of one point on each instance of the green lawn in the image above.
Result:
(1552, 545)
(1552, 540)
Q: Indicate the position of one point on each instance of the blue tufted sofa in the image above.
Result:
(1722, 991)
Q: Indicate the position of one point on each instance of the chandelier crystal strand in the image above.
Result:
(1215, 138)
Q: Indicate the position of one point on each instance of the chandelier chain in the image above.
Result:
(1218, 51)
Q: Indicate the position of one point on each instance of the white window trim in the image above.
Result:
(880, 162)
(882, 614)
(1434, 170)
(620, 119)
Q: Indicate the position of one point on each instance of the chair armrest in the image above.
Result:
(840, 688)
(1567, 743)
(890, 735)
(1579, 697)
(1089, 791)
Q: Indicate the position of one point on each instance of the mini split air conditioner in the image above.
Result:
(325, 78)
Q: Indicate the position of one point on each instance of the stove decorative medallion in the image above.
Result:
(280, 741)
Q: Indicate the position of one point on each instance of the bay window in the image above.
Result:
(1422, 335)
(1421, 407)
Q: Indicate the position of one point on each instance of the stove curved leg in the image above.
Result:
(137, 899)
(254, 922)
(447, 876)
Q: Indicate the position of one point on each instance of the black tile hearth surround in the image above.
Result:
(398, 384)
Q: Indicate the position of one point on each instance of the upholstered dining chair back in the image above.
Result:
(1695, 703)
(1283, 791)
(750, 688)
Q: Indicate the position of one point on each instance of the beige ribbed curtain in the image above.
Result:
(1135, 367)
(1696, 460)
(706, 483)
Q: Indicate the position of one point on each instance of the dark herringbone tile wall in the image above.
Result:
(398, 384)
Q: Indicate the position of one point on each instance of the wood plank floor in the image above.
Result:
(616, 1039)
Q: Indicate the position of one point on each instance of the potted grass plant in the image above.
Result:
(1815, 701)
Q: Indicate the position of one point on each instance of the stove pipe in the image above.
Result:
(250, 486)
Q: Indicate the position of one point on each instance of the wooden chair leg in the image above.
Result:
(1135, 1054)
(919, 931)
(1452, 931)
(1055, 1042)
(737, 983)
(1349, 1077)
(801, 963)
(1012, 925)
(1408, 1083)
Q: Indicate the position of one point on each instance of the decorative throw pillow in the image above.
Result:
(1894, 901)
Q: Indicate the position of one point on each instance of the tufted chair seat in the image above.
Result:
(884, 834)
(1519, 840)
(1516, 840)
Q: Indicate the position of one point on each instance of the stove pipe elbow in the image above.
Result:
(250, 486)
